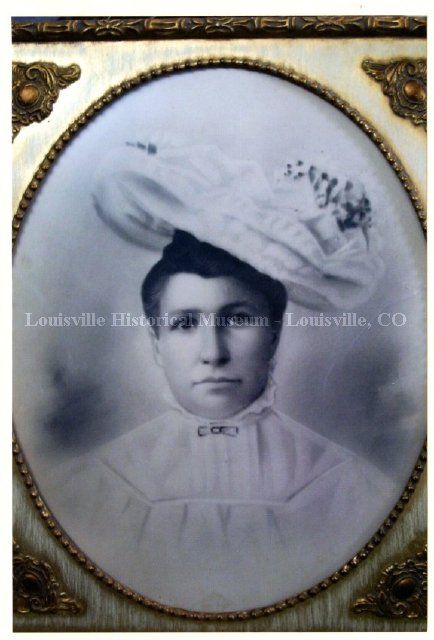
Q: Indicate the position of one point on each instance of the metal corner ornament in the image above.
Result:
(405, 83)
(36, 588)
(35, 89)
(401, 591)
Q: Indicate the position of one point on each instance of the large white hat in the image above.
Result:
(311, 231)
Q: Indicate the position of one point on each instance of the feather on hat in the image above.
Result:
(312, 232)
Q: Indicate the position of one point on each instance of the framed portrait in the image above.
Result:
(219, 323)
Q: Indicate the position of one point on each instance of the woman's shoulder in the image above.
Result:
(317, 456)
(144, 435)
(116, 454)
(300, 438)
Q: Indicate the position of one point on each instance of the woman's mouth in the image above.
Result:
(217, 380)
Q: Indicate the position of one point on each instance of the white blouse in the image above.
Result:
(222, 515)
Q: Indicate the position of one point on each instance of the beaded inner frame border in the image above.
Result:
(110, 96)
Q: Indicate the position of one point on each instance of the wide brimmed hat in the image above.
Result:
(311, 231)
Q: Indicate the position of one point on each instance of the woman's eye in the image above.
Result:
(184, 323)
(237, 319)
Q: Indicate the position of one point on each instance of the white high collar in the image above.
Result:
(259, 407)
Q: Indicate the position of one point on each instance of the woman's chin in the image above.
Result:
(218, 408)
(218, 402)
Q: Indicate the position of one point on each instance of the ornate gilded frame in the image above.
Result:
(36, 89)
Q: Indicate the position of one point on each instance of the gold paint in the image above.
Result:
(415, 91)
(401, 591)
(404, 82)
(110, 96)
(97, 29)
(36, 589)
(33, 101)
(28, 94)
(389, 22)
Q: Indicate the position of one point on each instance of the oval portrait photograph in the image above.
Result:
(219, 339)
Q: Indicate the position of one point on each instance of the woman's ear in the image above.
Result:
(155, 346)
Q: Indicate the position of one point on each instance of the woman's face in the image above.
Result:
(217, 348)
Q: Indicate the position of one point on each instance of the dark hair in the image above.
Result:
(186, 254)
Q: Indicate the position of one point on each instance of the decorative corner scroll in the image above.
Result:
(35, 89)
(405, 84)
(36, 589)
(401, 591)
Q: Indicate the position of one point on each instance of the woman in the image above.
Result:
(224, 503)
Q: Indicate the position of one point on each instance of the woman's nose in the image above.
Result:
(214, 348)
